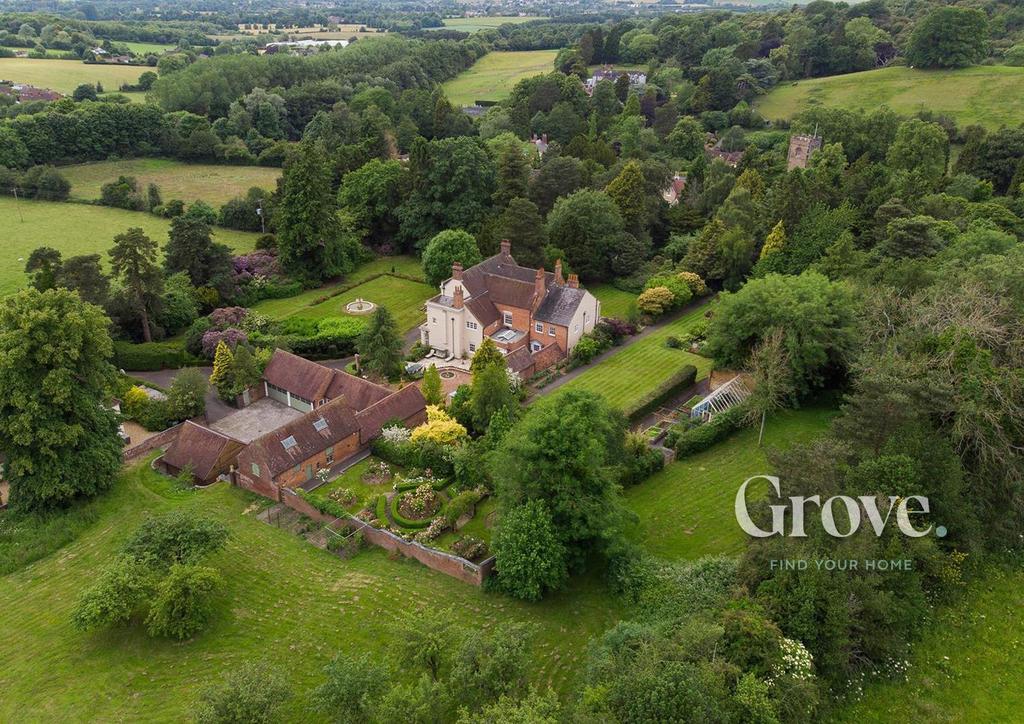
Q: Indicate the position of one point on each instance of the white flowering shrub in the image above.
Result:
(797, 662)
(396, 434)
(514, 380)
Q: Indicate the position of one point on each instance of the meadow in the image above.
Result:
(66, 75)
(686, 510)
(635, 370)
(286, 602)
(988, 95)
(157, 48)
(493, 76)
(968, 667)
(213, 183)
(75, 229)
(475, 25)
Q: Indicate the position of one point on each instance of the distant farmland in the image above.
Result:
(989, 95)
(475, 25)
(213, 183)
(492, 77)
(66, 75)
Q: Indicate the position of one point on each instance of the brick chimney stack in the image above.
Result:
(574, 281)
(457, 271)
(539, 287)
(559, 281)
(506, 247)
(457, 297)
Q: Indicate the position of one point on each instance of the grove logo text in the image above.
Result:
(864, 506)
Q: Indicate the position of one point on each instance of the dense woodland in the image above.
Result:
(887, 275)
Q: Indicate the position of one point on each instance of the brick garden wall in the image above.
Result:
(440, 561)
(161, 439)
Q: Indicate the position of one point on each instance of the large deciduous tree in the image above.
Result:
(949, 37)
(59, 439)
(815, 314)
(564, 453)
(446, 248)
(588, 227)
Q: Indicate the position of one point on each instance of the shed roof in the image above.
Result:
(308, 440)
(401, 405)
(200, 447)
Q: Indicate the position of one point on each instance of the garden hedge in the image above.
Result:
(665, 391)
(702, 437)
(402, 520)
(152, 356)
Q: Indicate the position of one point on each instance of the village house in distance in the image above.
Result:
(535, 317)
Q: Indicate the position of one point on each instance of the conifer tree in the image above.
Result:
(628, 193)
(222, 376)
(380, 346)
(775, 241)
(431, 387)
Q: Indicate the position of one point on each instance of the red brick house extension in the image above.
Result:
(345, 415)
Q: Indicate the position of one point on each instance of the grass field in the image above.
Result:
(475, 25)
(686, 510)
(285, 602)
(157, 48)
(614, 302)
(969, 668)
(66, 75)
(492, 77)
(75, 229)
(636, 370)
(991, 96)
(213, 183)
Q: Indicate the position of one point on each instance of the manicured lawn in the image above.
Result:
(686, 510)
(213, 183)
(614, 302)
(492, 77)
(66, 75)
(285, 602)
(76, 229)
(475, 25)
(636, 370)
(968, 668)
(281, 308)
(989, 95)
(403, 298)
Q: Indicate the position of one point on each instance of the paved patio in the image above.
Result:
(257, 419)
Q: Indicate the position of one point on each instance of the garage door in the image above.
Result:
(276, 393)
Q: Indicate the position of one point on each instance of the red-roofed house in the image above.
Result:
(209, 453)
(517, 307)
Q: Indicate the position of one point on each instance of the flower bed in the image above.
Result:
(419, 504)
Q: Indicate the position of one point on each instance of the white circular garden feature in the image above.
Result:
(360, 306)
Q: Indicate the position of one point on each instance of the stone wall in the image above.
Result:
(440, 561)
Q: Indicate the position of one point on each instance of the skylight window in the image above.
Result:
(289, 442)
(320, 424)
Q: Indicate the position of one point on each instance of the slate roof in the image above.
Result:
(201, 448)
(499, 280)
(401, 405)
(271, 451)
(559, 305)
